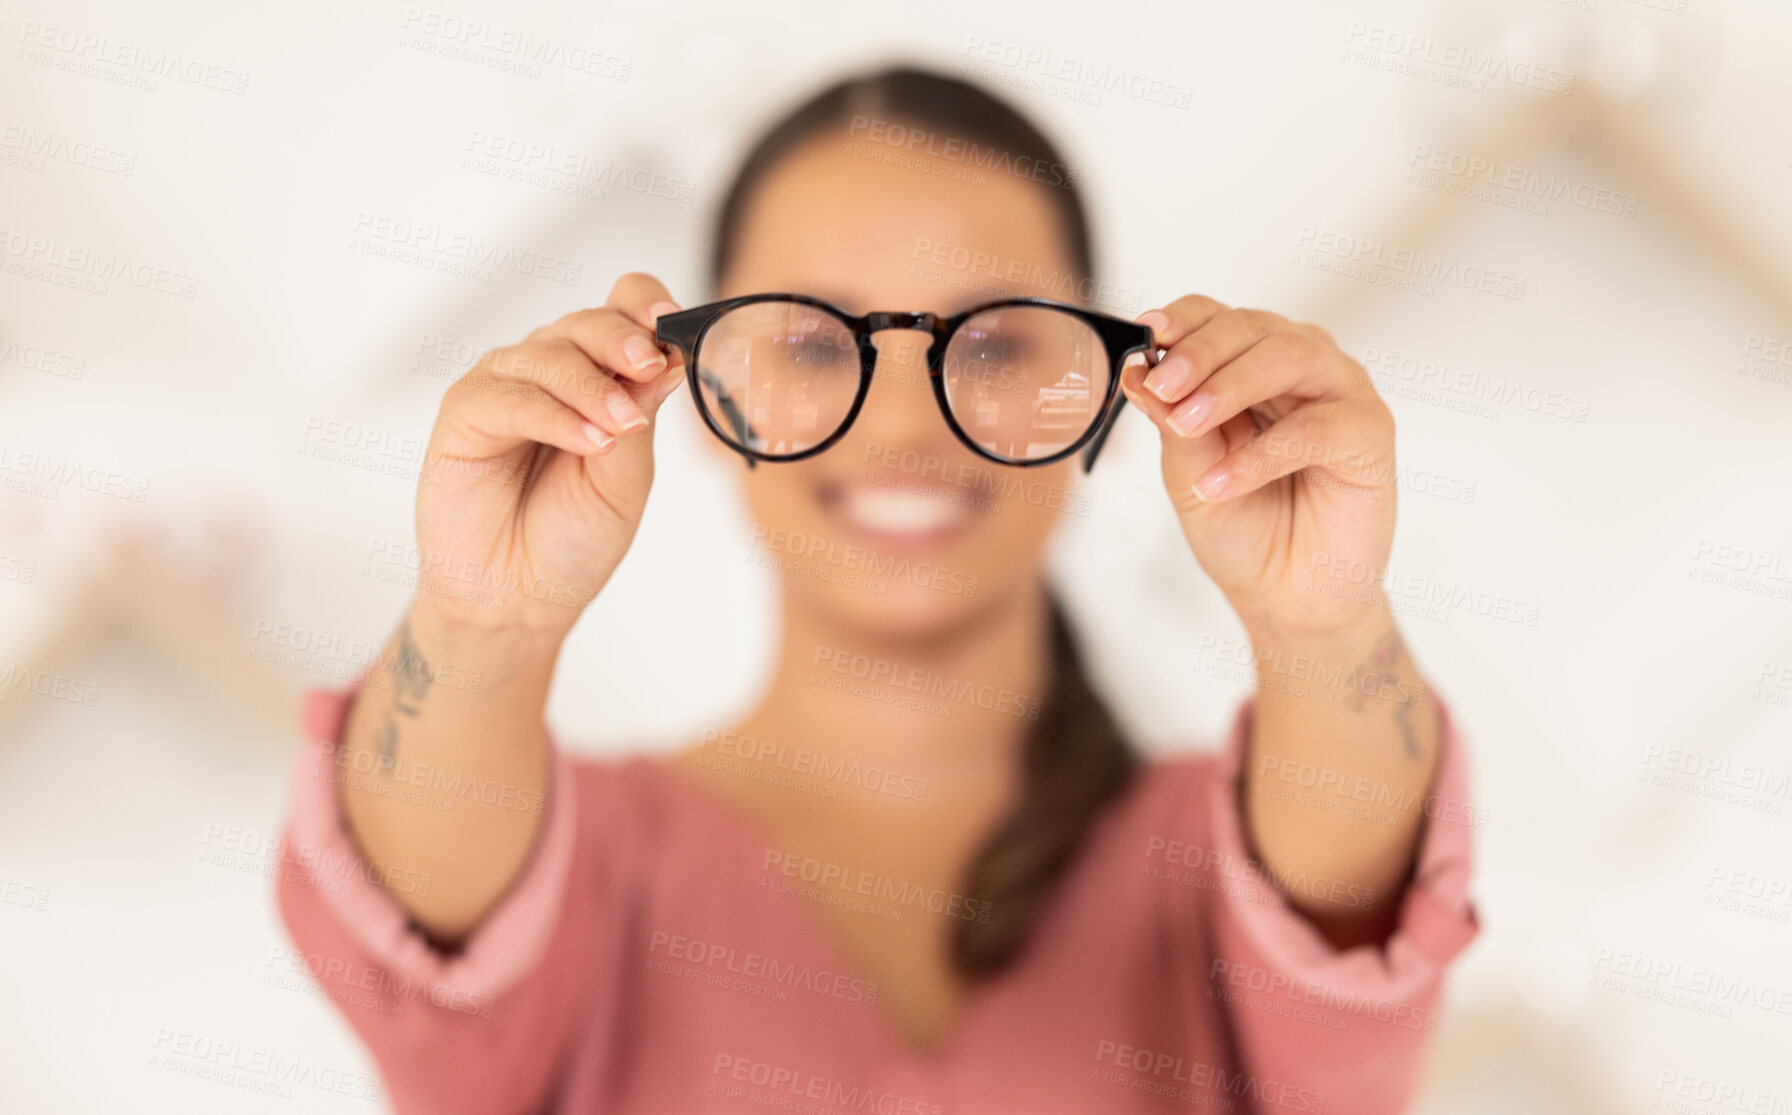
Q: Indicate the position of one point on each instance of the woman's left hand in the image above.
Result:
(1279, 459)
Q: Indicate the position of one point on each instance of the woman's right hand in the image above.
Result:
(538, 468)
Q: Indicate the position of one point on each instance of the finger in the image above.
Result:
(612, 340)
(563, 370)
(1191, 456)
(1225, 337)
(1290, 360)
(489, 425)
(1338, 438)
(1180, 318)
(642, 298)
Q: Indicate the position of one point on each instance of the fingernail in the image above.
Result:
(1187, 418)
(598, 437)
(625, 412)
(641, 353)
(661, 309)
(1208, 488)
(1169, 379)
(1157, 320)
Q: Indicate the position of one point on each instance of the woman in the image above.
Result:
(925, 872)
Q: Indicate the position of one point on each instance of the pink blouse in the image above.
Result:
(657, 957)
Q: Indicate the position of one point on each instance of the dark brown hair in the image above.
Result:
(1075, 761)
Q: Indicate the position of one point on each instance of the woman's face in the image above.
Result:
(898, 529)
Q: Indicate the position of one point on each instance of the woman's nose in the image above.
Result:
(900, 409)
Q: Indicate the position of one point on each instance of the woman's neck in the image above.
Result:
(962, 696)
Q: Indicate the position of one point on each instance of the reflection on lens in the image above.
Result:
(778, 377)
(1025, 382)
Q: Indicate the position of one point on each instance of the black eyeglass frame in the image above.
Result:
(686, 329)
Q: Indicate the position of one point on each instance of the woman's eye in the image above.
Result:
(809, 350)
(1002, 350)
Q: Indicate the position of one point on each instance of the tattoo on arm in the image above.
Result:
(1376, 674)
(412, 676)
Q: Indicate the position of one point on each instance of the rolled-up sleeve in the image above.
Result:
(483, 1028)
(1347, 1025)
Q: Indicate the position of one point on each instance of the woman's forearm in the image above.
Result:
(444, 767)
(1344, 743)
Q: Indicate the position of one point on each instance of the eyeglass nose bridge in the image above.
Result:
(878, 322)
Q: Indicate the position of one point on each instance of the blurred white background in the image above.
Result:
(218, 446)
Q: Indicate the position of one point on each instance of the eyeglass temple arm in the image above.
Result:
(1152, 355)
(682, 330)
(743, 429)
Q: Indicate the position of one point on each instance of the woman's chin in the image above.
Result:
(883, 608)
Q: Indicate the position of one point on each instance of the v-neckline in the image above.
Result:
(933, 1061)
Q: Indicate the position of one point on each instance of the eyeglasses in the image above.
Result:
(1022, 381)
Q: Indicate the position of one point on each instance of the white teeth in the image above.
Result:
(881, 509)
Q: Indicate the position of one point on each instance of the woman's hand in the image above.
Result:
(1279, 459)
(538, 468)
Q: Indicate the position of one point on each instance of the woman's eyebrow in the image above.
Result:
(992, 292)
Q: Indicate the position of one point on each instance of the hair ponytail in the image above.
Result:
(1073, 763)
